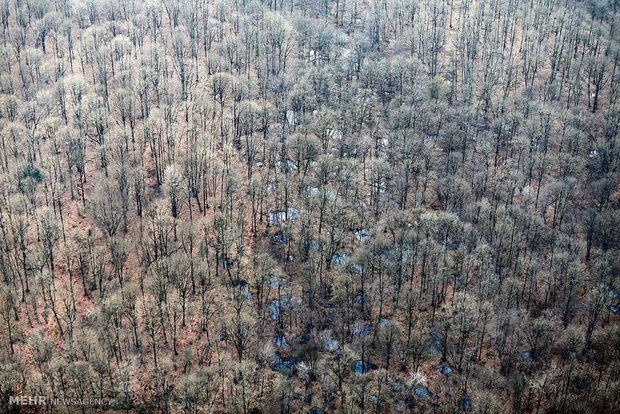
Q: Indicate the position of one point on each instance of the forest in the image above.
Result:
(310, 206)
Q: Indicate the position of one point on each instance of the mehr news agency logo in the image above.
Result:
(42, 400)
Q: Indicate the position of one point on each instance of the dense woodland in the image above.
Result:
(311, 206)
